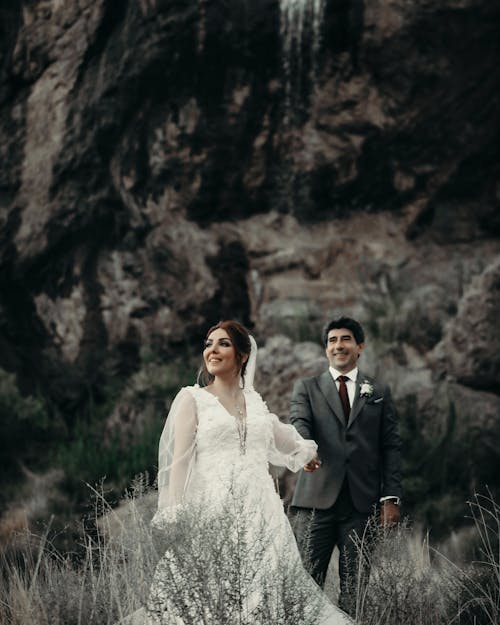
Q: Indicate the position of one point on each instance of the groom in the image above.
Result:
(352, 419)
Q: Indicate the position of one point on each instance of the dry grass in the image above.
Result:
(107, 579)
(410, 582)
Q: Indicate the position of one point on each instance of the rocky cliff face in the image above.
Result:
(163, 166)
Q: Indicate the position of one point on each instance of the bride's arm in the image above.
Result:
(287, 447)
(176, 451)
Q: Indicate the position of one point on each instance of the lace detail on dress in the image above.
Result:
(252, 548)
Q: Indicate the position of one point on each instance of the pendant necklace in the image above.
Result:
(241, 420)
(241, 423)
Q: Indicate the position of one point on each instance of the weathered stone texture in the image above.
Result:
(155, 179)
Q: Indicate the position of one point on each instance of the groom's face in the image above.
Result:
(342, 350)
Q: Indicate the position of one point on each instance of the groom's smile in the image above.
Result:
(342, 350)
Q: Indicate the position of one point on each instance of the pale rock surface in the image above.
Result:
(470, 344)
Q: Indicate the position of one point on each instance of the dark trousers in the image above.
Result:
(318, 532)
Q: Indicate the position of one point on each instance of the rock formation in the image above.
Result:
(155, 178)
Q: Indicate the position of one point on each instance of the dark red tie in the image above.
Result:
(344, 396)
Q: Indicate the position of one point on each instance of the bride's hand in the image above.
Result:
(312, 465)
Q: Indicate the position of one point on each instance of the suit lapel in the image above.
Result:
(329, 389)
(359, 402)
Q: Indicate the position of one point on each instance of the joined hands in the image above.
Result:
(312, 465)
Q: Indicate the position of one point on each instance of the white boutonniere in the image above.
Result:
(366, 389)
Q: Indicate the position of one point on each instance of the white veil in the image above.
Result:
(249, 375)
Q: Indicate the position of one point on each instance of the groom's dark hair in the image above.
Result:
(347, 323)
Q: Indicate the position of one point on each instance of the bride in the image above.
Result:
(231, 557)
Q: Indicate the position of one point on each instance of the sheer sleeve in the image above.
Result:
(175, 457)
(287, 448)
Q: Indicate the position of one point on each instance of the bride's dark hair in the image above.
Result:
(240, 339)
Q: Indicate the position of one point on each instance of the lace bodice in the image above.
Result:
(217, 433)
(200, 448)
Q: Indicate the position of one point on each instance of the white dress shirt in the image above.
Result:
(350, 382)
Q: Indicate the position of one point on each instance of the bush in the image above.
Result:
(478, 584)
(24, 424)
(443, 464)
(108, 581)
(405, 585)
(411, 583)
(217, 566)
(232, 576)
(119, 436)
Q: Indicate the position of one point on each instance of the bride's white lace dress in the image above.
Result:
(226, 521)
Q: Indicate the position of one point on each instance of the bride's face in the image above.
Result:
(219, 354)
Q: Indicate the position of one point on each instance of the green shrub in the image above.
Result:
(91, 451)
(440, 468)
(24, 426)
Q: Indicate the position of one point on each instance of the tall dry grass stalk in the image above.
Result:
(107, 580)
(231, 571)
(410, 583)
(479, 582)
(209, 564)
(406, 586)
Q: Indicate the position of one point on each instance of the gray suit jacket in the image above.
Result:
(366, 452)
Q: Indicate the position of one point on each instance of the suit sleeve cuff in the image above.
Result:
(392, 498)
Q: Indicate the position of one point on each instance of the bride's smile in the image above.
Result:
(219, 354)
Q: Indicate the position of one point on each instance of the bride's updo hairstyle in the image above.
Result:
(241, 342)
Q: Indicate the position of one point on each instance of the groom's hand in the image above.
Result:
(312, 465)
(389, 513)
